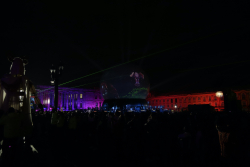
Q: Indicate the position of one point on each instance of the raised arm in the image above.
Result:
(141, 75)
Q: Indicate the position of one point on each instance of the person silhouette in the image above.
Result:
(137, 77)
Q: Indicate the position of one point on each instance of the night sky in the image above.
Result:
(191, 45)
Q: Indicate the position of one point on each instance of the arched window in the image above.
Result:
(244, 104)
(243, 96)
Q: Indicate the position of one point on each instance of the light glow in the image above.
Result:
(4, 94)
(219, 94)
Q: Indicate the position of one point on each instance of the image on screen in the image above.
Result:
(124, 83)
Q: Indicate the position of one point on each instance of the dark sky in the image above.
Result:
(194, 45)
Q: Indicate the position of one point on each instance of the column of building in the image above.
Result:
(61, 100)
(73, 101)
(64, 100)
(76, 107)
(77, 100)
(47, 101)
(70, 100)
(67, 101)
(83, 100)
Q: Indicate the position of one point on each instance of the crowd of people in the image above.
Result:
(196, 138)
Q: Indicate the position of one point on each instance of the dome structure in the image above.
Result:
(124, 82)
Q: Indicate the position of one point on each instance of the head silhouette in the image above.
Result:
(11, 110)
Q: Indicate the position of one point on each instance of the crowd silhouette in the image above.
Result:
(146, 138)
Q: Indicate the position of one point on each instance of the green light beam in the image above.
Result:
(174, 47)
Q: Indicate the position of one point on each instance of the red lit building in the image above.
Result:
(179, 102)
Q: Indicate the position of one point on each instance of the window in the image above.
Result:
(189, 99)
(243, 96)
(184, 99)
(80, 96)
(156, 101)
(163, 100)
(171, 100)
(171, 105)
(199, 99)
(180, 100)
(209, 98)
(176, 100)
(95, 97)
(194, 99)
(167, 105)
(80, 105)
(215, 98)
(160, 101)
(204, 99)
(76, 95)
(167, 100)
(215, 104)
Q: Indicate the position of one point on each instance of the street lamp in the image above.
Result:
(175, 106)
(219, 94)
(55, 74)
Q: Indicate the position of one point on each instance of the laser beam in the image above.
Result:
(155, 53)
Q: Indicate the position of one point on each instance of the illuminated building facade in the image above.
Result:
(180, 102)
(69, 98)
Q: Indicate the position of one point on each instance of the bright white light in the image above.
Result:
(4, 94)
(33, 148)
(219, 94)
